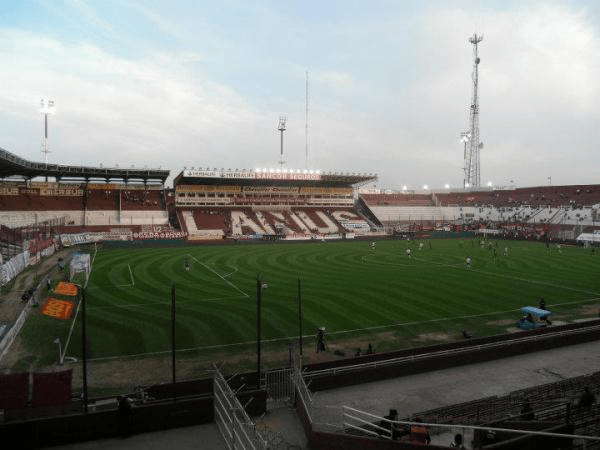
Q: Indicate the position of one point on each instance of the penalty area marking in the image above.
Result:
(220, 276)
(231, 273)
(132, 283)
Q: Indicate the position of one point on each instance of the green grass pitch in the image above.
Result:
(350, 288)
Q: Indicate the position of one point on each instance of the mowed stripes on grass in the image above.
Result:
(346, 286)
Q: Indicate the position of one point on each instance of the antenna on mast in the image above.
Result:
(472, 173)
(281, 128)
(306, 127)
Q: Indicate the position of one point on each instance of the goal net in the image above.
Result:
(80, 264)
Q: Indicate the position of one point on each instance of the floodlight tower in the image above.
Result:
(47, 108)
(281, 128)
(472, 173)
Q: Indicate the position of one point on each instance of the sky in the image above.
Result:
(202, 84)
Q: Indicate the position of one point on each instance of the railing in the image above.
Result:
(238, 431)
(304, 395)
(453, 352)
(370, 424)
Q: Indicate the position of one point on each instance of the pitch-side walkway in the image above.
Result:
(416, 393)
(409, 395)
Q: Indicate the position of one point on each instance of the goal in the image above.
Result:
(80, 263)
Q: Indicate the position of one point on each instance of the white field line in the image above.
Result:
(221, 277)
(231, 273)
(132, 280)
(77, 310)
(493, 274)
(131, 275)
(287, 338)
(179, 302)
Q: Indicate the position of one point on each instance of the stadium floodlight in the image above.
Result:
(447, 186)
(490, 184)
(47, 108)
(404, 188)
(425, 187)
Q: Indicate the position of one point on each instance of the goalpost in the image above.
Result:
(81, 262)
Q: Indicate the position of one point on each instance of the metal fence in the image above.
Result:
(238, 431)
(456, 352)
(303, 394)
(356, 421)
(279, 386)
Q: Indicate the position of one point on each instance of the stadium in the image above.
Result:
(234, 292)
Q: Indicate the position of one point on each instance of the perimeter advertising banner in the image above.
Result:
(249, 174)
(218, 174)
(59, 309)
(287, 176)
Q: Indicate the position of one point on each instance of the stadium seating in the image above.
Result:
(408, 199)
(286, 223)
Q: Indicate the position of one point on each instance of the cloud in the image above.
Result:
(128, 106)
(389, 89)
(538, 85)
(337, 80)
(90, 15)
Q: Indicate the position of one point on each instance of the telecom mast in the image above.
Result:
(306, 127)
(471, 137)
(281, 128)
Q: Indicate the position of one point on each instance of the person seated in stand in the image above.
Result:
(394, 428)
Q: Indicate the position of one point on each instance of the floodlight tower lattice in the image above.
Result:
(282, 128)
(472, 162)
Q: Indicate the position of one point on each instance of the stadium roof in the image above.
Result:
(270, 177)
(13, 166)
